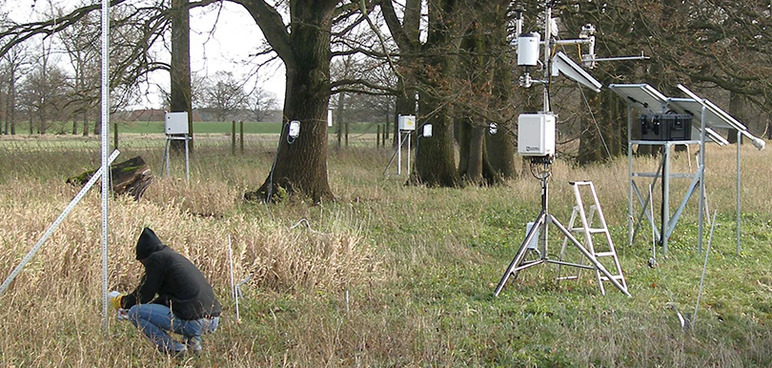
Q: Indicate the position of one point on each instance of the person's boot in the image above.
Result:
(194, 344)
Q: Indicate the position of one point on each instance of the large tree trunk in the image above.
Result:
(435, 159)
(487, 159)
(405, 105)
(474, 171)
(499, 155)
(301, 164)
(406, 35)
(85, 122)
(180, 94)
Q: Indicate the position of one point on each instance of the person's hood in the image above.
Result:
(148, 243)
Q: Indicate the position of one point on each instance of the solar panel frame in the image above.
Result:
(642, 96)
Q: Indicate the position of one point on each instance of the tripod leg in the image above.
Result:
(520, 254)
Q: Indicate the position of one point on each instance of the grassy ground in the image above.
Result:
(388, 275)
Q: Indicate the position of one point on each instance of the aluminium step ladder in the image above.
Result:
(587, 230)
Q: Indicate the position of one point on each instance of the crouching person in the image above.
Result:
(173, 296)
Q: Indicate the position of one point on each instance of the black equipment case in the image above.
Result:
(666, 127)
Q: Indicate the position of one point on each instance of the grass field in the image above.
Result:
(387, 275)
(199, 127)
(147, 127)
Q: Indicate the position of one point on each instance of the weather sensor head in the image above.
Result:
(528, 49)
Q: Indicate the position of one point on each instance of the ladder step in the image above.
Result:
(591, 230)
(567, 278)
(605, 254)
(615, 277)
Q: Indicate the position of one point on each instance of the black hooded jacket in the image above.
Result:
(172, 280)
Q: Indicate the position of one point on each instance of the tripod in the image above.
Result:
(541, 168)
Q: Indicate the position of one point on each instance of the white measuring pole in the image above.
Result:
(105, 148)
(55, 225)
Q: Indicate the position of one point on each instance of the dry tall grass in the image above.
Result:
(51, 312)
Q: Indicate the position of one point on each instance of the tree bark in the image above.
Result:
(341, 110)
(406, 35)
(499, 154)
(435, 159)
(434, 162)
(180, 94)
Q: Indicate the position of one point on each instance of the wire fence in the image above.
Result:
(372, 137)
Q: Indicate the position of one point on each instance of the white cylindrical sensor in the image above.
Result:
(528, 49)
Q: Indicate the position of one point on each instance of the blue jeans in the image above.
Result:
(156, 321)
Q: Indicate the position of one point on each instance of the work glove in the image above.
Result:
(115, 299)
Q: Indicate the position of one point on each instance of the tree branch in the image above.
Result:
(270, 22)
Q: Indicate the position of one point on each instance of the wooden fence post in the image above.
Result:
(115, 135)
(241, 136)
(378, 136)
(233, 137)
(346, 135)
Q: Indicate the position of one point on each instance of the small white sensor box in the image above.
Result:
(177, 123)
(406, 122)
(294, 129)
(536, 134)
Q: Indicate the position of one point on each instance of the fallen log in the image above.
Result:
(131, 177)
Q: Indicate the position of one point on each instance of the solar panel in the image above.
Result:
(714, 117)
(650, 100)
(642, 96)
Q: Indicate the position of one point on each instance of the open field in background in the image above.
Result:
(154, 139)
(203, 127)
(389, 275)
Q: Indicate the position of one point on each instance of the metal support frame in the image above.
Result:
(739, 140)
(663, 173)
(166, 160)
(543, 220)
(398, 152)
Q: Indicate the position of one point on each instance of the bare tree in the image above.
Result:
(260, 103)
(15, 61)
(224, 95)
(83, 46)
(44, 92)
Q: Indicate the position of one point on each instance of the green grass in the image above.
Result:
(153, 127)
(423, 294)
(147, 127)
